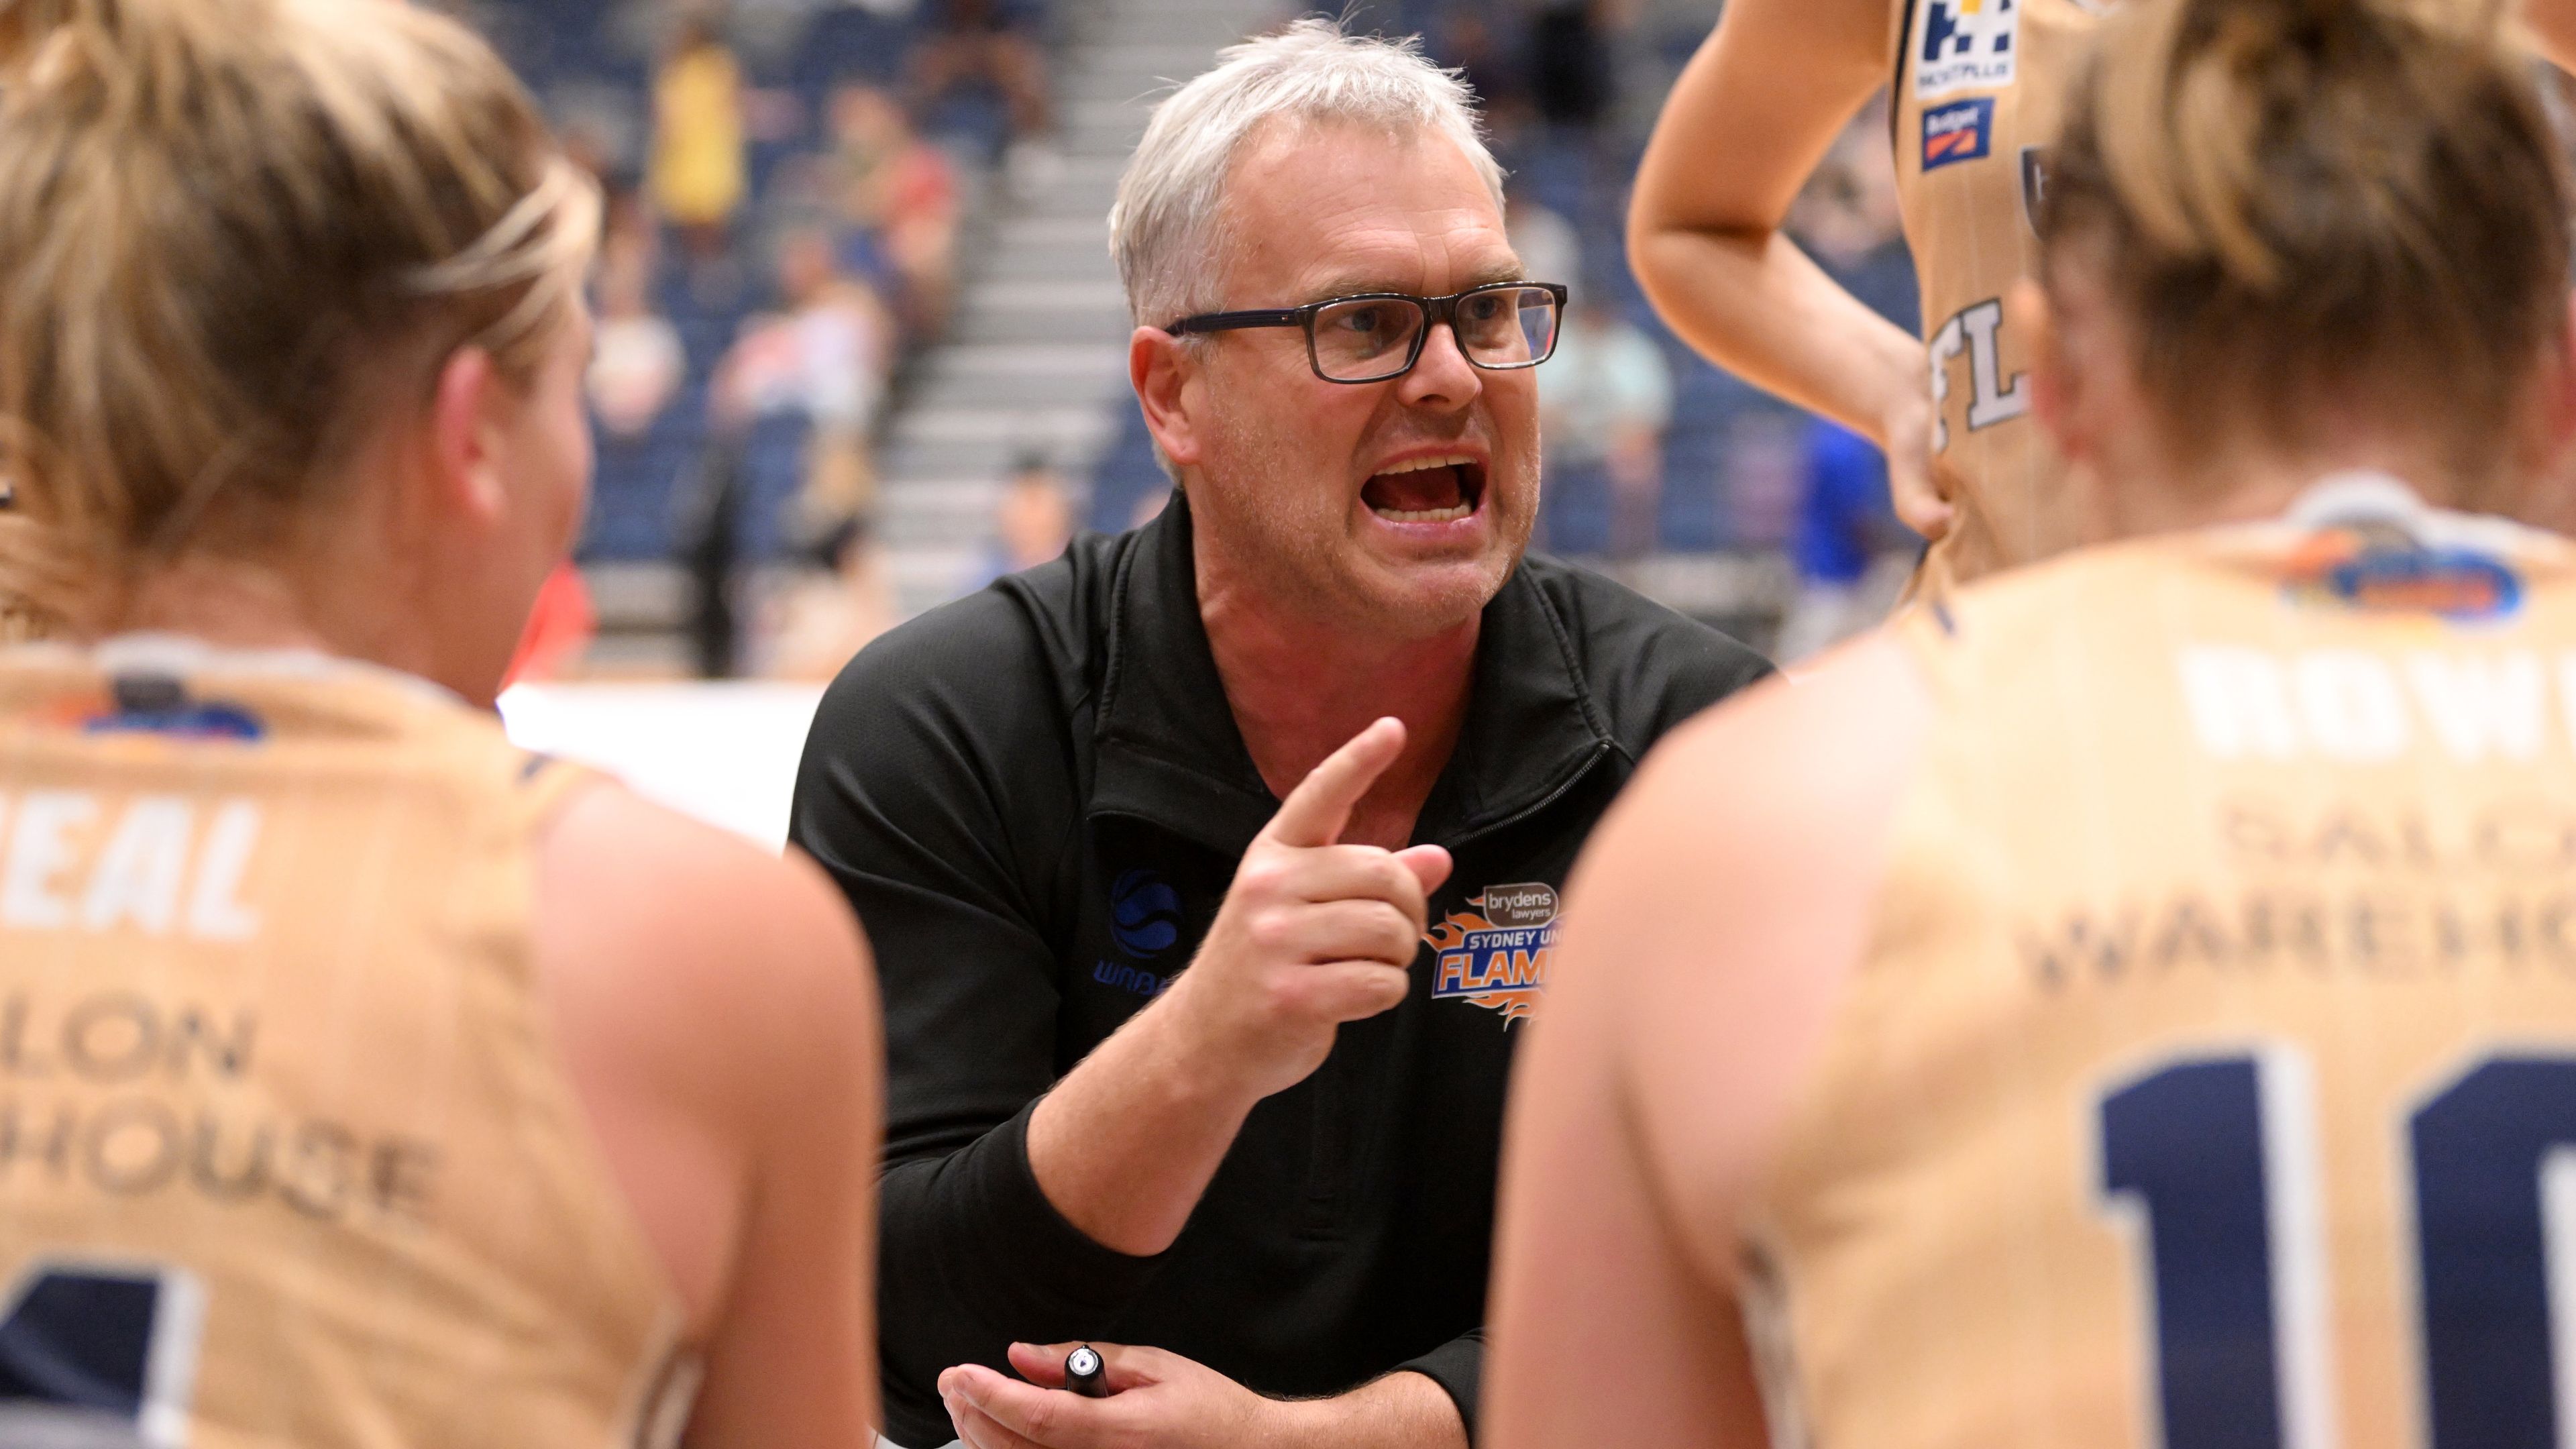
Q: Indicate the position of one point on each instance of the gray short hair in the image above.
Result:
(1165, 228)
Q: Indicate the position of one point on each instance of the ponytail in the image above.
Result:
(2306, 204)
(234, 234)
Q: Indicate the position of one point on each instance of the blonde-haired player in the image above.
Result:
(363, 1080)
(2134, 1000)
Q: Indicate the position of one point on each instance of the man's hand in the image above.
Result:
(1161, 1400)
(1312, 933)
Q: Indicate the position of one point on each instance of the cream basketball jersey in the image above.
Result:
(286, 1153)
(2210, 1075)
(1978, 90)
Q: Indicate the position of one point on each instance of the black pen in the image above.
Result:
(1082, 1372)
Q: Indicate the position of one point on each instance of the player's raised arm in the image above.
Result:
(1749, 119)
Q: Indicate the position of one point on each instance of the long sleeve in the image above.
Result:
(936, 791)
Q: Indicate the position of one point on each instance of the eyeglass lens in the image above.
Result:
(1372, 337)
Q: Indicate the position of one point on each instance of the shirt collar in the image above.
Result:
(1170, 753)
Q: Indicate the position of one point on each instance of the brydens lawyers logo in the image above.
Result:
(1495, 955)
(1960, 131)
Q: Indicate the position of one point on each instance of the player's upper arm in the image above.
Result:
(716, 1006)
(1723, 903)
(1756, 109)
(1708, 927)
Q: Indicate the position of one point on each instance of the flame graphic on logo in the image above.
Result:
(1451, 934)
(1515, 1003)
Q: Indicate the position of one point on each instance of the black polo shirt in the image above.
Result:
(1035, 798)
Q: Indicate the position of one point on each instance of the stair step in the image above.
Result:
(1027, 360)
(1052, 263)
(1006, 294)
(1029, 426)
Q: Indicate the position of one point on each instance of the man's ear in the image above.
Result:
(467, 429)
(1162, 367)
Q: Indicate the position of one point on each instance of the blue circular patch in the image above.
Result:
(1144, 914)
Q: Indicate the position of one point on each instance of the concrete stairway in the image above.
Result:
(1036, 360)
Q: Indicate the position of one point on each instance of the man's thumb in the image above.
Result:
(1429, 863)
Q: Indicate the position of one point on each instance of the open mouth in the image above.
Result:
(1426, 490)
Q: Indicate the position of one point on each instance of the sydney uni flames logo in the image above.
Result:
(1495, 955)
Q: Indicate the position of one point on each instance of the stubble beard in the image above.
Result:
(1294, 542)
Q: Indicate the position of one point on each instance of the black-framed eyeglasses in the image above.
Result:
(1371, 337)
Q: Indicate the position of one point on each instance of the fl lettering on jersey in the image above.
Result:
(1973, 332)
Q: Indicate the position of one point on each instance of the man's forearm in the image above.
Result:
(1403, 1410)
(1125, 1145)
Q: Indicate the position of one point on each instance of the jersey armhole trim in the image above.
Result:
(1896, 68)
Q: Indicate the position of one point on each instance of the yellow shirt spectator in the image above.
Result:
(698, 172)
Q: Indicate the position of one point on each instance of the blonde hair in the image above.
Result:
(2317, 209)
(1164, 229)
(233, 234)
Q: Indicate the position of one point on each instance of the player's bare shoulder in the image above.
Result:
(1731, 893)
(707, 920)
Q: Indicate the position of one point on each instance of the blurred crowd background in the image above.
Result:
(861, 348)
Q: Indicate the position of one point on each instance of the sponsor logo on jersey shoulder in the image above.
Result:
(2380, 567)
(1966, 45)
(152, 707)
(1960, 131)
(1495, 954)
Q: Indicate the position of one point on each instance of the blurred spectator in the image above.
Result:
(1847, 210)
(827, 356)
(1032, 522)
(1549, 248)
(1464, 36)
(1604, 402)
(636, 363)
(826, 616)
(700, 171)
(899, 193)
(976, 43)
(1852, 555)
(1570, 72)
(1149, 507)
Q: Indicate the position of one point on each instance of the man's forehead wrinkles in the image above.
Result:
(1387, 260)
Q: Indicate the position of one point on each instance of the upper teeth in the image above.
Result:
(1455, 460)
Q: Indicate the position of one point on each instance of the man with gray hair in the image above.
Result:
(1210, 866)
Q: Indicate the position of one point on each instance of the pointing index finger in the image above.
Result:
(1315, 812)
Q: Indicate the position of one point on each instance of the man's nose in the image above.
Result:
(1442, 377)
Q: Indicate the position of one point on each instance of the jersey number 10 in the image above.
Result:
(2214, 1159)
